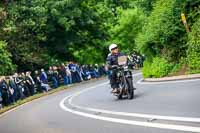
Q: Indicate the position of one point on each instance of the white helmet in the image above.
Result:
(112, 46)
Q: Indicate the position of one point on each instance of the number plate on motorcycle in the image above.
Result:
(122, 60)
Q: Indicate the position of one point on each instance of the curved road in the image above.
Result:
(167, 107)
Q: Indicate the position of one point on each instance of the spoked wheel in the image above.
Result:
(121, 87)
(130, 88)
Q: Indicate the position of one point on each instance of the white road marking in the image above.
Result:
(130, 122)
(149, 116)
(139, 115)
(166, 82)
(137, 74)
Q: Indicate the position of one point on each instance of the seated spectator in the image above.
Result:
(1, 99)
(43, 76)
(14, 87)
(30, 83)
(69, 75)
(25, 88)
(36, 79)
(102, 70)
(63, 73)
(92, 72)
(74, 72)
(20, 90)
(55, 77)
(4, 88)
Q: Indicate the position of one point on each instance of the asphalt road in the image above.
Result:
(167, 107)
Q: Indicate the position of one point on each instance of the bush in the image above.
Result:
(163, 33)
(158, 68)
(6, 66)
(193, 53)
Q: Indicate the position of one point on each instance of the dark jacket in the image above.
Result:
(112, 59)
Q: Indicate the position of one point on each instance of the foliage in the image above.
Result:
(129, 24)
(159, 67)
(38, 30)
(163, 34)
(40, 33)
(193, 53)
(5, 62)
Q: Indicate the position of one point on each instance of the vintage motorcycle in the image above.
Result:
(125, 79)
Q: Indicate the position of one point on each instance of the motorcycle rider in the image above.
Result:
(112, 62)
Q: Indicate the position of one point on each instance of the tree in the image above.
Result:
(129, 25)
(5, 60)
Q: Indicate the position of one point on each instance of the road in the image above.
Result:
(167, 107)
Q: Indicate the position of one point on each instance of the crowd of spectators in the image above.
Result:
(25, 84)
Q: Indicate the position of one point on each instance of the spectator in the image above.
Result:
(23, 85)
(36, 79)
(1, 99)
(55, 77)
(26, 90)
(43, 76)
(14, 87)
(63, 72)
(92, 72)
(83, 72)
(4, 88)
(30, 83)
(52, 77)
(74, 73)
(18, 82)
(79, 76)
(69, 75)
(96, 70)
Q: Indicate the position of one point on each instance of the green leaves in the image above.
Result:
(5, 60)
(159, 67)
(129, 25)
(193, 52)
(53, 31)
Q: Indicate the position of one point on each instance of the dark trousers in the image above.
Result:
(113, 79)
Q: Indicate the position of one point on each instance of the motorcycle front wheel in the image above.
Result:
(130, 88)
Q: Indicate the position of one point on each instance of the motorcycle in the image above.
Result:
(125, 79)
